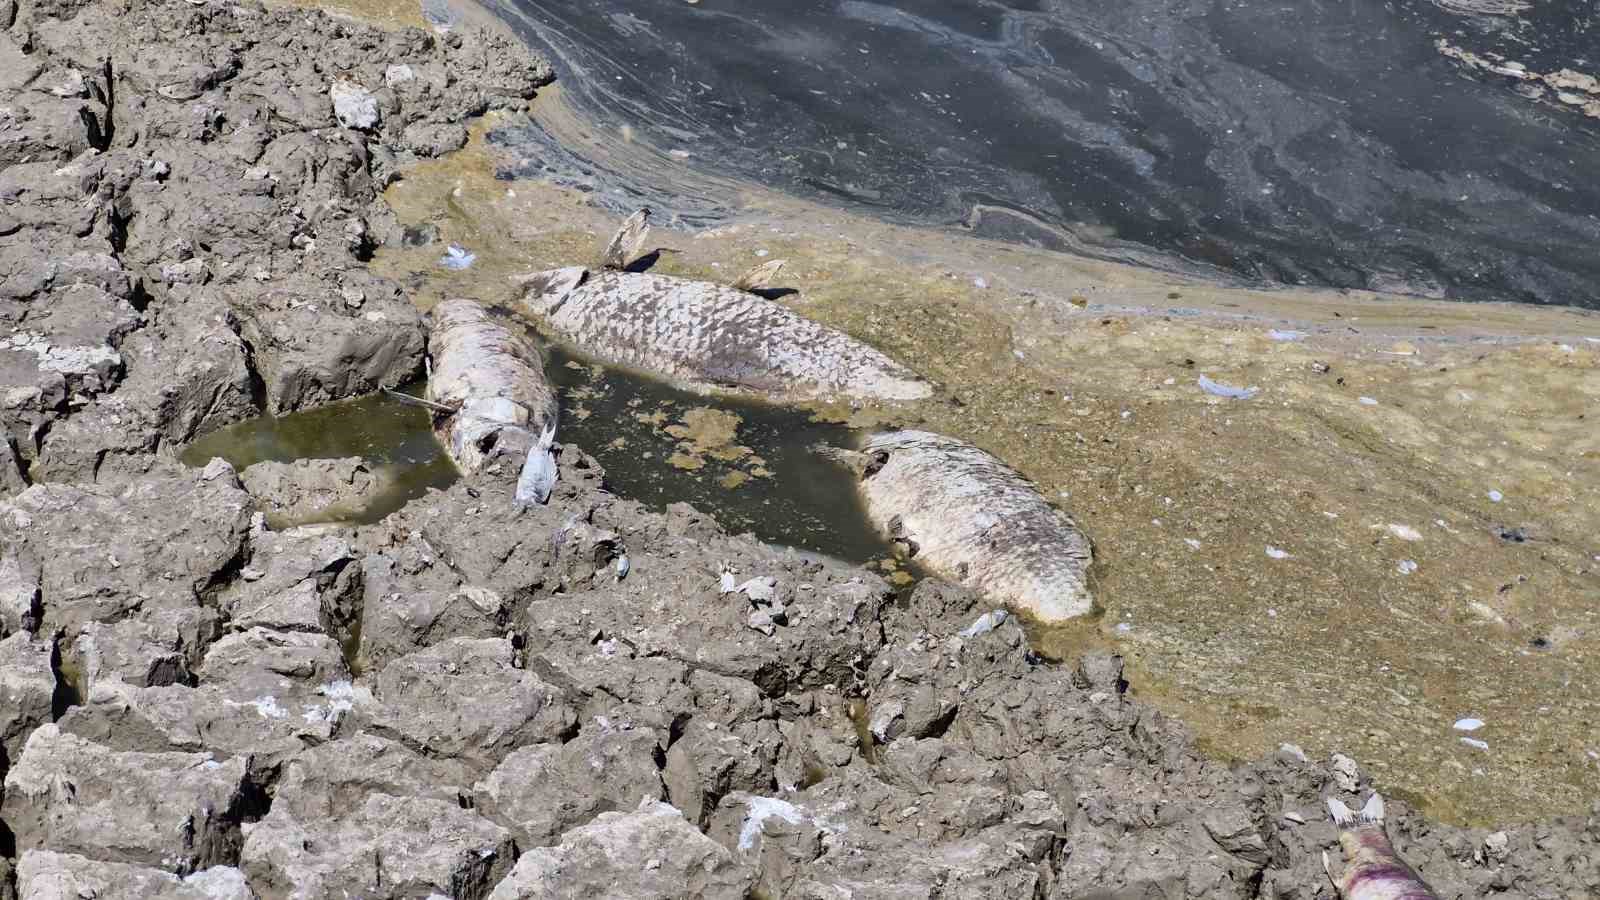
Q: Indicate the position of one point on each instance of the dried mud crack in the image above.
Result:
(470, 697)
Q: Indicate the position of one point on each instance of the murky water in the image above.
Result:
(749, 464)
(394, 438)
(1305, 143)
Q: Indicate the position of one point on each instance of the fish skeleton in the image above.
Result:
(712, 337)
(493, 378)
(974, 520)
(1373, 870)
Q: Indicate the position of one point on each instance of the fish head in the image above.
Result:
(544, 292)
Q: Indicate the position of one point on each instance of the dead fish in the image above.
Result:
(759, 276)
(493, 378)
(628, 241)
(972, 519)
(711, 337)
(1373, 870)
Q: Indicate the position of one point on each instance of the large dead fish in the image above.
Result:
(972, 519)
(489, 381)
(712, 337)
(1373, 870)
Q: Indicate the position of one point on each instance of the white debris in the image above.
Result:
(1276, 553)
(761, 589)
(623, 567)
(1467, 724)
(1496, 496)
(1406, 566)
(759, 810)
(1474, 743)
(1404, 532)
(986, 623)
(1227, 390)
(728, 585)
(457, 257)
(1193, 544)
(1366, 401)
(353, 105)
(1286, 335)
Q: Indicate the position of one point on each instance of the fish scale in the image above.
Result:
(712, 337)
(970, 513)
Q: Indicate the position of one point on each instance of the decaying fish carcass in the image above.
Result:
(712, 337)
(490, 378)
(972, 519)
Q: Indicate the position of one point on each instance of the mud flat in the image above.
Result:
(1084, 375)
(194, 237)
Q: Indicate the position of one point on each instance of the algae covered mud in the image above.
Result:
(1303, 143)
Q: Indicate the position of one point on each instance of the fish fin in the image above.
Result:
(625, 244)
(547, 437)
(1372, 813)
(538, 477)
(759, 276)
(1327, 866)
(1342, 816)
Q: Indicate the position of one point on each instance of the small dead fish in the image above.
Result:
(972, 519)
(493, 379)
(1373, 870)
(711, 337)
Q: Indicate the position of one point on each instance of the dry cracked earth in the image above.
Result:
(467, 699)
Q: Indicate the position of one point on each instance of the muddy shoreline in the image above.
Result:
(209, 213)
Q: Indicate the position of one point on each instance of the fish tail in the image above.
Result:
(1370, 814)
(547, 437)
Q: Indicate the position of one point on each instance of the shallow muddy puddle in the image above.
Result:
(393, 438)
(749, 464)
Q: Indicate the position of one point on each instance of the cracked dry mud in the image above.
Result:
(468, 699)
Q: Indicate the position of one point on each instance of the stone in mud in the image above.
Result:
(46, 875)
(323, 781)
(11, 478)
(311, 490)
(708, 761)
(300, 579)
(651, 853)
(463, 698)
(264, 729)
(266, 666)
(540, 792)
(429, 139)
(105, 551)
(155, 648)
(310, 348)
(27, 685)
(378, 846)
(20, 574)
(174, 811)
(493, 376)
(712, 337)
(408, 604)
(975, 521)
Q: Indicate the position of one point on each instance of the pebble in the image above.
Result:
(1275, 553)
(1407, 566)
(1475, 743)
(1404, 532)
(1496, 496)
(1366, 401)
(1467, 724)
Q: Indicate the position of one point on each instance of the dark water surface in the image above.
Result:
(1296, 141)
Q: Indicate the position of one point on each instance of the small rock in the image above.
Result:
(1346, 774)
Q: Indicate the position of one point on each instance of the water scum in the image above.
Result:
(1082, 375)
